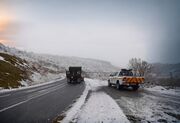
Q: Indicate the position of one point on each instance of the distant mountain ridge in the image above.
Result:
(166, 70)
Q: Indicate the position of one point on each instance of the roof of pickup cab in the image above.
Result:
(75, 68)
(126, 69)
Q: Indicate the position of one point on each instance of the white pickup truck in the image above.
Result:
(125, 78)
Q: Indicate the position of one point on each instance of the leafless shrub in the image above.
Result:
(140, 67)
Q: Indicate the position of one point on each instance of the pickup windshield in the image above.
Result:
(126, 73)
(114, 74)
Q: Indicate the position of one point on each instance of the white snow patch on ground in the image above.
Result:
(24, 83)
(152, 105)
(163, 90)
(22, 88)
(99, 107)
(38, 78)
(148, 108)
(1, 58)
(94, 84)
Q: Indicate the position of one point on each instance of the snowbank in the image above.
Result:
(163, 90)
(150, 105)
(37, 78)
(22, 88)
(99, 107)
(147, 109)
(1, 58)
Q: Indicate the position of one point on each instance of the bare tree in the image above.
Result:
(144, 68)
(139, 66)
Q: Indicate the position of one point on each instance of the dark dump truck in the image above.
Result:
(74, 75)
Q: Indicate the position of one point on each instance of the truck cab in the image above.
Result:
(125, 78)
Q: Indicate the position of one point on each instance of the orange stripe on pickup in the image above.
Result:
(133, 79)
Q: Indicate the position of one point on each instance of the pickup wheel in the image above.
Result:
(79, 80)
(135, 87)
(68, 80)
(109, 84)
(118, 85)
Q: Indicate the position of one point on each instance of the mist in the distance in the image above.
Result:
(114, 30)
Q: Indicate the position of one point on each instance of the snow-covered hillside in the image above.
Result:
(47, 67)
(13, 71)
(89, 65)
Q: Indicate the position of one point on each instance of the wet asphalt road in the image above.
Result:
(38, 104)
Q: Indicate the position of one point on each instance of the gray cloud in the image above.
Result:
(113, 30)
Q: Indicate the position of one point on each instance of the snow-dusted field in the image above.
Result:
(95, 107)
(151, 105)
(163, 90)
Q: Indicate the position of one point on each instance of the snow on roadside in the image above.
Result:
(163, 90)
(24, 83)
(22, 88)
(99, 107)
(148, 109)
(38, 78)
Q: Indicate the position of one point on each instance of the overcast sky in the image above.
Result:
(112, 30)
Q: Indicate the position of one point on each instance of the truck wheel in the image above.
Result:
(68, 81)
(118, 85)
(135, 87)
(79, 80)
(109, 84)
(82, 79)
